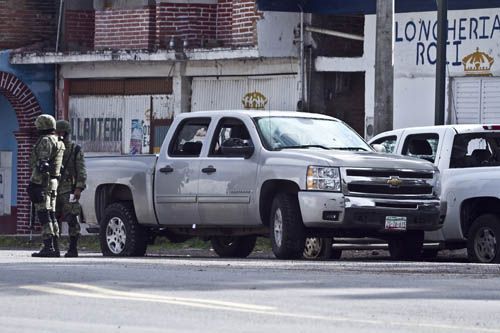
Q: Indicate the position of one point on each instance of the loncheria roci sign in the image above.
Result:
(473, 41)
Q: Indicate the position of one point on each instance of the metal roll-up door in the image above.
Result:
(476, 100)
(273, 92)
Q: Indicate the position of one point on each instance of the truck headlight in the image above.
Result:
(323, 179)
(437, 183)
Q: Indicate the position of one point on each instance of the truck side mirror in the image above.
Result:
(235, 147)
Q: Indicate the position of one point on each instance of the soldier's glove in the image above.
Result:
(43, 166)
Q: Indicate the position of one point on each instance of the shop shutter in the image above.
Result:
(273, 92)
(476, 100)
(490, 101)
(467, 100)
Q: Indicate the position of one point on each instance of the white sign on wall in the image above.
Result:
(469, 31)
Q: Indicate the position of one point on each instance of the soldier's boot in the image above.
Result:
(46, 251)
(73, 247)
(55, 244)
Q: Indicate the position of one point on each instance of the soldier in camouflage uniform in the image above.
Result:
(73, 178)
(45, 162)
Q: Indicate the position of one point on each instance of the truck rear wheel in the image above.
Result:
(407, 246)
(233, 247)
(483, 240)
(120, 235)
(286, 227)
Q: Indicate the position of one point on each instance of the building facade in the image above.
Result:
(347, 66)
(125, 68)
(25, 92)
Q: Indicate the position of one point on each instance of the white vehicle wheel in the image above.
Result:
(483, 241)
(317, 248)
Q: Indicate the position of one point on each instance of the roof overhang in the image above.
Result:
(357, 7)
(27, 57)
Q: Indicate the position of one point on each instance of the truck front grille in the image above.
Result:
(388, 182)
(384, 189)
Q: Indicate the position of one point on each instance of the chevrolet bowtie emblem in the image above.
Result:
(394, 181)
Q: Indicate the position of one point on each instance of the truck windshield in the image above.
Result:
(296, 132)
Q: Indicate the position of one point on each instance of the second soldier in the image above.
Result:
(72, 183)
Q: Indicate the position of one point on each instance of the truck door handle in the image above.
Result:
(167, 169)
(209, 170)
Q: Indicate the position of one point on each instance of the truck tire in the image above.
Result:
(233, 247)
(120, 235)
(287, 231)
(407, 246)
(317, 248)
(483, 239)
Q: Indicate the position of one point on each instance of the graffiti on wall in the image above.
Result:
(254, 100)
(103, 134)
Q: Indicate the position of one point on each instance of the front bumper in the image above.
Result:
(336, 211)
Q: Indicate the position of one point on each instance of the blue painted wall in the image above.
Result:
(40, 79)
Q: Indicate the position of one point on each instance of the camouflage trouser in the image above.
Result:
(49, 228)
(68, 212)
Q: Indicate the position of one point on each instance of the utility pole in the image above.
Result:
(442, 23)
(384, 67)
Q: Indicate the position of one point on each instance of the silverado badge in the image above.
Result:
(394, 181)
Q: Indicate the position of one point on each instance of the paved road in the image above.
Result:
(181, 294)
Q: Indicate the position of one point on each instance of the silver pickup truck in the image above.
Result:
(231, 176)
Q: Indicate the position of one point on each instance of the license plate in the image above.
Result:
(395, 223)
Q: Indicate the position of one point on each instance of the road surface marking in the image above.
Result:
(111, 292)
(118, 295)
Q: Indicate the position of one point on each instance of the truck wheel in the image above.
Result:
(407, 246)
(120, 235)
(233, 247)
(317, 248)
(483, 240)
(287, 230)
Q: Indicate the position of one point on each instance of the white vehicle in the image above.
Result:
(468, 157)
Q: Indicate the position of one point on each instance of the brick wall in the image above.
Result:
(244, 25)
(25, 22)
(194, 23)
(125, 28)
(27, 109)
(226, 23)
(79, 30)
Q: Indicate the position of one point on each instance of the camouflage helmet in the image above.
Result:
(63, 126)
(45, 122)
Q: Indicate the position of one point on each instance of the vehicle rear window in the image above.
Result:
(475, 150)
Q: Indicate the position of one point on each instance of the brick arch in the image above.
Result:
(27, 108)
